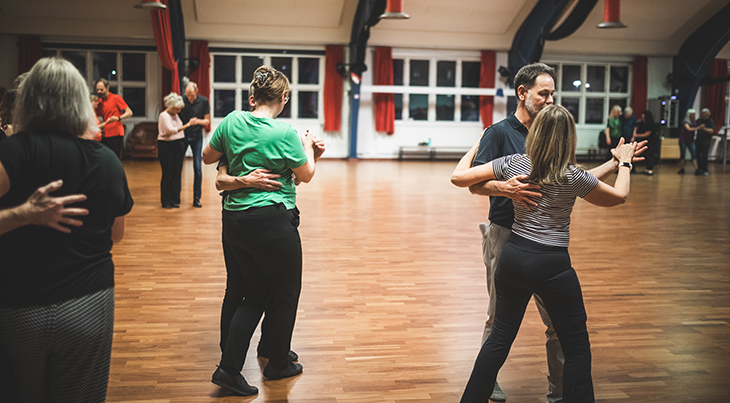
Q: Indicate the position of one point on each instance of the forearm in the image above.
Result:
(603, 171)
(464, 164)
(622, 184)
(12, 218)
(488, 188)
(228, 182)
(127, 114)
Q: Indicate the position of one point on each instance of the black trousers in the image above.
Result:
(266, 263)
(171, 155)
(115, 144)
(527, 267)
(703, 155)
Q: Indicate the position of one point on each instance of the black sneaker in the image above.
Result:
(235, 383)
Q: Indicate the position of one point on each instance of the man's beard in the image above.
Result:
(532, 110)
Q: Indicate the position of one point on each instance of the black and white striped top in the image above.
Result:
(549, 222)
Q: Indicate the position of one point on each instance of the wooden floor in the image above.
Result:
(393, 300)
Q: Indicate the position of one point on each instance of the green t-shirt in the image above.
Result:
(614, 128)
(251, 143)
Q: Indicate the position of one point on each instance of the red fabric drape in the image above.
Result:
(333, 87)
(29, 52)
(639, 85)
(163, 39)
(384, 103)
(715, 93)
(201, 76)
(486, 80)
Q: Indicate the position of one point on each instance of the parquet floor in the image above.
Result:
(393, 300)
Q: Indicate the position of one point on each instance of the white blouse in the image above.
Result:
(168, 127)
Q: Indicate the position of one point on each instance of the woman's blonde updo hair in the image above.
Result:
(551, 145)
(173, 100)
(268, 84)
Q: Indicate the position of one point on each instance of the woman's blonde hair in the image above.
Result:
(268, 84)
(173, 100)
(616, 108)
(550, 145)
(53, 98)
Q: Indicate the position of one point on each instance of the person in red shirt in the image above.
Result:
(112, 110)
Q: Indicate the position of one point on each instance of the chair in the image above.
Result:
(142, 141)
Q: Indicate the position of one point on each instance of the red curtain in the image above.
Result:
(334, 54)
(163, 39)
(715, 93)
(29, 52)
(201, 76)
(384, 103)
(486, 80)
(639, 85)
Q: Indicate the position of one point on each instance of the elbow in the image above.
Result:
(307, 177)
(457, 181)
(476, 189)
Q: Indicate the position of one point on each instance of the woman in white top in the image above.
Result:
(535, 260)
(171, 150)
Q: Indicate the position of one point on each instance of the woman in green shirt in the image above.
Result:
(264, 252)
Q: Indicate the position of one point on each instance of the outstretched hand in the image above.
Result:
(639, 148)
(42, 209)
(520, 191)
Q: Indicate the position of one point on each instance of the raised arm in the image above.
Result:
(603, 171)
(305, 172)
(605, 195)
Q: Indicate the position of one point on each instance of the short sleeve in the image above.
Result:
(293, 150)
(583, 182)
(490, 146)
(501, 166)
(217, 140)
(121, 105)
(127, 202)
(206, 107)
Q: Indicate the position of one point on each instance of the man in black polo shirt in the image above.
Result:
(534, 87)
(197, 111)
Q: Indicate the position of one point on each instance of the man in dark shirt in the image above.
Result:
(705, 130)
(628, 123)
(197, 111)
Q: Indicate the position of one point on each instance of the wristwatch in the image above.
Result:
(626, 164)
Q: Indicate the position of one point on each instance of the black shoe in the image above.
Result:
(291, 355)
(176, 206)
(166, 206)
(291, 370)
(698, 172)
(236, 384)
(196, 203)
(681, 171)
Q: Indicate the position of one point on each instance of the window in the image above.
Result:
(439, 104)
(590, 90)
(126, 72)
(234, 71)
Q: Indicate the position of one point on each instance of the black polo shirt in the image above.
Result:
(198, 109)
(505, 137)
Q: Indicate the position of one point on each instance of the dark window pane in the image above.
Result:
(622, 102)
(286, 112)
(136, 100)
(283, 64)
(511, 104)
(113, 90)
(48, 53)
(308, 104)
(398, 101)
(105, 65)
(470, 74)
(445, 107)
(77, 58)
(619, 79)
(445, 74)
(224, 69)
(469, 108)
(249, 66)
(418, 108)
(225, 102)
(572, 105)
(133, 67)
(596, 79)
(594, 110)
(245, 106)
(419, 73)
(571, 78)
(398, 72)
(308, 70)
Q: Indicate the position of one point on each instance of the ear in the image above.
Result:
(521, 92)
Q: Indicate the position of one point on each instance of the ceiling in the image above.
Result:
(655, 27)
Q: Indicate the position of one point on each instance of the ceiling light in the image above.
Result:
(151, 5)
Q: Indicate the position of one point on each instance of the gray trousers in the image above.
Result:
(59, 352)
(493, 239)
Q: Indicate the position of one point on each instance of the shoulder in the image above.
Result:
(201, 99)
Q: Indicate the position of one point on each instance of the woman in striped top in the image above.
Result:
(535, 259)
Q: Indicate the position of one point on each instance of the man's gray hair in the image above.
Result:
(173, 100)
(628, 110)
(706, 110)
(54, 98)
(527, 75)
(194, 85)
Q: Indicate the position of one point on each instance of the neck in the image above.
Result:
(263, 110)
(523, 116)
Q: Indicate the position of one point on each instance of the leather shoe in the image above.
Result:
(196, 203)
(236, 384)
(292, 356)
(290, 370)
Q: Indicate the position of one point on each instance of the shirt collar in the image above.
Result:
(516, 124)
